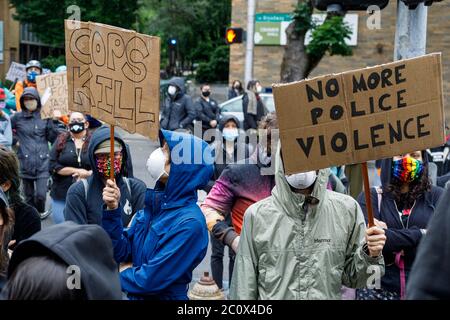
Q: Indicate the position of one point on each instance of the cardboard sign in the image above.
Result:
(16, 72)
(52, 88)
(113, 74)
(361, 115)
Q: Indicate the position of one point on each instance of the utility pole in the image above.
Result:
(251, 8)
(411, 32)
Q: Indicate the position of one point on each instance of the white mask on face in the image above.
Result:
(172, 90)
(31, 105)
(302, 180)
(156, 163)
(258, 89)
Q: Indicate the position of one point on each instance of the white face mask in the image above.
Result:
(258, 89)
(172, 90)
(302, 180)
(31, 105)
(230, 134)
(156, 163)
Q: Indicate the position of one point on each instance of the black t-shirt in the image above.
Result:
(68, 157)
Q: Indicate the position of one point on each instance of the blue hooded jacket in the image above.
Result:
(169, 238)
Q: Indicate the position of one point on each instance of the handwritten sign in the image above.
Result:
(361, 115)
(16, 72)
(113, 74)
(52, 88)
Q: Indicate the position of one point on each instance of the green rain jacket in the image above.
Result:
(294, 249)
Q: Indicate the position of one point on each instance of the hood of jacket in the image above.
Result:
(292, 202)
(227, 118)
(100, 135)
(191, 167)
(33, 93)
(179, 83)
(86, 246)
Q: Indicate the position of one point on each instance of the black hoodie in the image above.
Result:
(33, 134)
(178, 111)
(86, 246)
(82, 210)
(430, 276)
(398, 236)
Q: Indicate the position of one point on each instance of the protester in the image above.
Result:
(64, 262)
(429, 277)
(69, 162)
(179, 111)
(26, 217)
(10, 101)
(239, 186)
(84, 198)
(304, 242)
(6, 223)
(5, 123)
(33, 69)
(208, 110)
(402, 206)
(168, 238)
(34, 134)
(229, 149)
(252, 105)
(94, 124)
(61, 68)
(227, 152)
(236, 90)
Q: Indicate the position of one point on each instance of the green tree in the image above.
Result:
(300, 59)
(46, 17)
(198, 25)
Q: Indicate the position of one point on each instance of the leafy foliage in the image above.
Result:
(199, 27)
(46, 17)
(51, 62)
(330, 37)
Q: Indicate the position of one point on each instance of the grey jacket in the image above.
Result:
(291, 248)
(34, 135)
(178, 111)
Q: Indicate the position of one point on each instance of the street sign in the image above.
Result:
(270, 28)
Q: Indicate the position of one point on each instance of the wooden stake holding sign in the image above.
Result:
(361, 115)
(365, 175)
(113, 75)
(111, 153)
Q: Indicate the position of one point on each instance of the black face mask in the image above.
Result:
(76, 127)
(206, 93)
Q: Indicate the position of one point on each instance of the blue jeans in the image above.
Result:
(58, 211)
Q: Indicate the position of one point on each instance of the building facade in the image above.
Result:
(373, 46)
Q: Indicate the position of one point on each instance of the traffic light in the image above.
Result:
(346, 5)
(172, 43)
(412, 4)
(234, 35)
